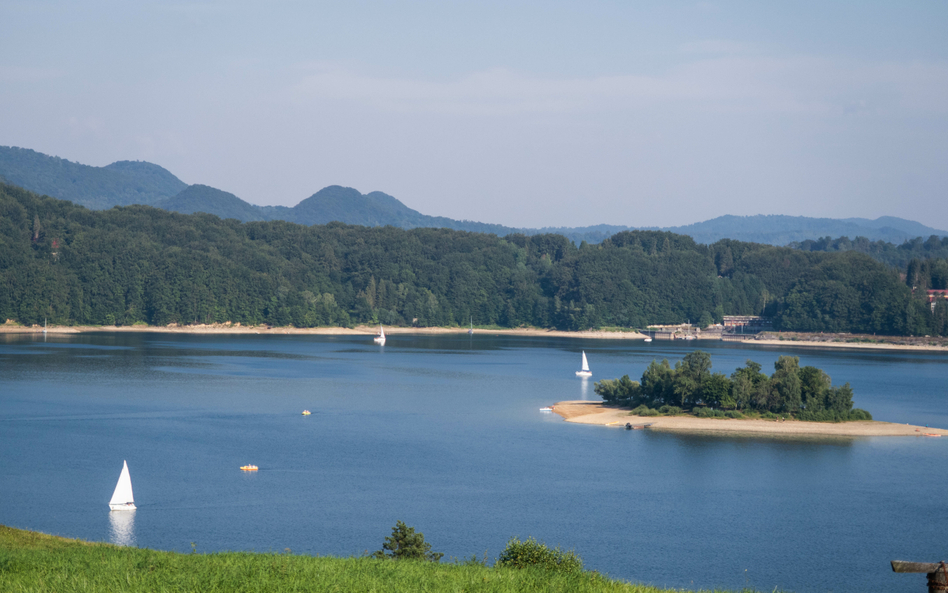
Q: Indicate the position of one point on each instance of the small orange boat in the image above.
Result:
(249, 468)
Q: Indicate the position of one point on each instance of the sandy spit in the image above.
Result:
(359, 330)
(586, 412)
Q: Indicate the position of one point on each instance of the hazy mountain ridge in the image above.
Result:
(779, 229)
(203, 198)
(137, 182)
(120, 184)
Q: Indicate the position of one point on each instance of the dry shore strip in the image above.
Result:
(366, 330)
(587, 412)
(359, 330)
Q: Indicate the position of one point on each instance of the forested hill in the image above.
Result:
(141, 264)
(897, 256)
(119, 184)
(126, 182)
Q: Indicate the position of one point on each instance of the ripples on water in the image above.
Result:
(445, 433)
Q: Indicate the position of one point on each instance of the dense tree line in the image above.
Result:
(897, 256)
(138, 264)
(923, 275)
(802, 392)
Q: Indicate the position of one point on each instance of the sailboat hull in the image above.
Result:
(584, 373)
(129, 506)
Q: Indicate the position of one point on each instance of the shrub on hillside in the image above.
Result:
(534, 554)
(405, 544)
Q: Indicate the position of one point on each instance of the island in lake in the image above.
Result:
(794, 400)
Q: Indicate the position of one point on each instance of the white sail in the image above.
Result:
(380, 338)
(122, 498)
(585, 372)
(471, 331)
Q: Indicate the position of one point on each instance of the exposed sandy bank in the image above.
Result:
(364, 330)
(586, 412)
(845, 345)
(359, 330)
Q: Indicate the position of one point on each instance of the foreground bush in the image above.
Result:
(534, 554)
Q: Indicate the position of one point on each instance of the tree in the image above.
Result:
(717, 392)
(405, 544)
(745, 383)
(786, 382)
(840, 399)
(814, 383)
(620, 392)
(657, 383)
(691, 374)
(706, 319)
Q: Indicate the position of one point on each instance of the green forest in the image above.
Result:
(805, 393)
(138, 264)
(897, 256)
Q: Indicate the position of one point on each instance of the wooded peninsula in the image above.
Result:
(140, 265)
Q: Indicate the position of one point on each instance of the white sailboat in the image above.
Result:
(585, 372)
(470, 332)
(122, 498)
(380, 337)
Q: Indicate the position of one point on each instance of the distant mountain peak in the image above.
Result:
(119, 184)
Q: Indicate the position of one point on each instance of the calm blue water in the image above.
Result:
(444, 433)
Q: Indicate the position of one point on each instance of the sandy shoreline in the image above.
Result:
(844, 345)
(586, 412)
(365, 330)
(359, 330)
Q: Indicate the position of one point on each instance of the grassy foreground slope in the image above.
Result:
(31, 561)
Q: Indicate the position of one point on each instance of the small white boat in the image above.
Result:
(648, 339)
(585, 372)
(122, 498)
(380, 337)
(547, 409)
(470, 332)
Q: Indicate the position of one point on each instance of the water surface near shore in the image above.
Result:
(445, 433)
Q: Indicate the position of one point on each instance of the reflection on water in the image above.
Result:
(122, 528)
(584, 389)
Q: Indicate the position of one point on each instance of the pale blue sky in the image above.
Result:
(520, 113)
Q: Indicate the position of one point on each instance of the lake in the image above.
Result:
(445, 434)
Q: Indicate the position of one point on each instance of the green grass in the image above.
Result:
(34, 562)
